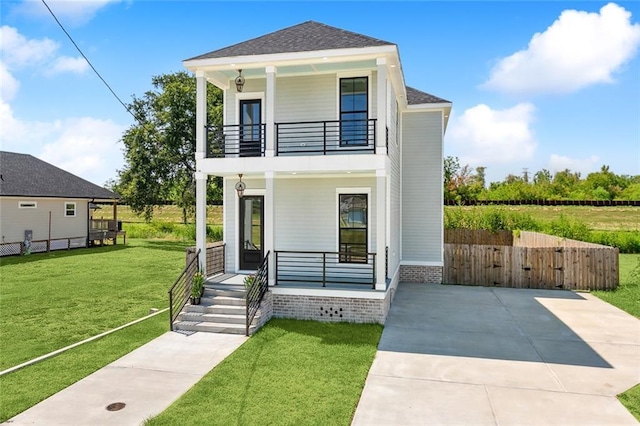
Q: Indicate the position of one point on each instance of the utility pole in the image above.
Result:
(525, 174)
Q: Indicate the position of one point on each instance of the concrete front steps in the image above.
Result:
(222, 309)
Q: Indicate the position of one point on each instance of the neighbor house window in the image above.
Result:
(70, 209)
(27, 205)
(353, 227)
(354, 111)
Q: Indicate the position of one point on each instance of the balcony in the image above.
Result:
(332, 137)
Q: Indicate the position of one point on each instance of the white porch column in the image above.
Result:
(381, 228)
(270, 111)
(269, 221)
(201, 219)
(201, 178)
(381, 107)
(201, 115)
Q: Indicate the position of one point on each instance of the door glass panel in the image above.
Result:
(353, 111)
(250, 128)
(251, 231)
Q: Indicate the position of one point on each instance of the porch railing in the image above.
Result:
(256, 291)
(326, 137)
(325, 269)
(236, 141)
(181, 289)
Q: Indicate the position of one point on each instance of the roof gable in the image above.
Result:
(417, 97)
(305, 37)
(24, 175)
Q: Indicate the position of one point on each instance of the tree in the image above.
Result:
(160, 147)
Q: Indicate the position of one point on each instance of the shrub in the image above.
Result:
(569, 227)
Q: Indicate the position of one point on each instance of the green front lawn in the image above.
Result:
(290, 372)
(49, 301)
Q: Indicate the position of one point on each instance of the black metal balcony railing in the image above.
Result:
(326, 137)
(326, 269)
(300, 138)
(236, 141)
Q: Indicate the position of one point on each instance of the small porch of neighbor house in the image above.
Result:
(103, 231)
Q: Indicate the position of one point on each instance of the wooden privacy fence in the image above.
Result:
(533, 261)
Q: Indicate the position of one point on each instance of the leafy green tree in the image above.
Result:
(160, 147)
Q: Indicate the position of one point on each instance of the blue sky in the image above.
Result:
(547, 84)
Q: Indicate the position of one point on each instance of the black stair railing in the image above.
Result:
(256, 290)
(181, 289)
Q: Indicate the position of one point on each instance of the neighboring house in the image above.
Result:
(46, 205)
(340, 163)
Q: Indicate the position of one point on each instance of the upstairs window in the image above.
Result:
(27, 205)
(354, 104)
(69, 209)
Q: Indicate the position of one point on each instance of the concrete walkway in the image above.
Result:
(147, 380)
(493, 356)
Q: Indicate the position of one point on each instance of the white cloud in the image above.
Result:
(64, 64)
(18, 51)
(579, 49)
(558, 163)
(8, 84)
(73, 12)
(87, 147)
(485, 136)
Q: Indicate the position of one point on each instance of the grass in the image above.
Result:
(627, 295)
(290, 372)
(25, 388)
(596, 218)
(49, 301)
(631, 400)
(171, 214)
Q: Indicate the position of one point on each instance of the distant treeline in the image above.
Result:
(592, 203)
(466, 186)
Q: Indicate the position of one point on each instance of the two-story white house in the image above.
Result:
(332, 169)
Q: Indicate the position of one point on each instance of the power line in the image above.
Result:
(88, 61)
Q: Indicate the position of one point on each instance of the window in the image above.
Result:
(353, 227)
(27, 205)
(354, 101)
(69, 209)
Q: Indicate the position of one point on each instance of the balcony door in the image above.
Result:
(354, 102)
(250, 127)
(251, 232)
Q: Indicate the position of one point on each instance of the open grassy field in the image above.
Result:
(49, 301)
(169, 213)
(290, 372)
(596, 218)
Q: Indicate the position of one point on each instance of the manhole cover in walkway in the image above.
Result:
(116, 406)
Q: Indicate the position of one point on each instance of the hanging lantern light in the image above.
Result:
(239, 81)
(240, 186)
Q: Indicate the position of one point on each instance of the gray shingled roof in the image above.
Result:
(305, 37)
(25, 175)
(416, 97)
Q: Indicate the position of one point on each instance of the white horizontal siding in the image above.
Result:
(306, 215)
(306, 98)
(394, 175)
(422, 187)
(14, 221)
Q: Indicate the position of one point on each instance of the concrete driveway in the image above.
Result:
(475, 355)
